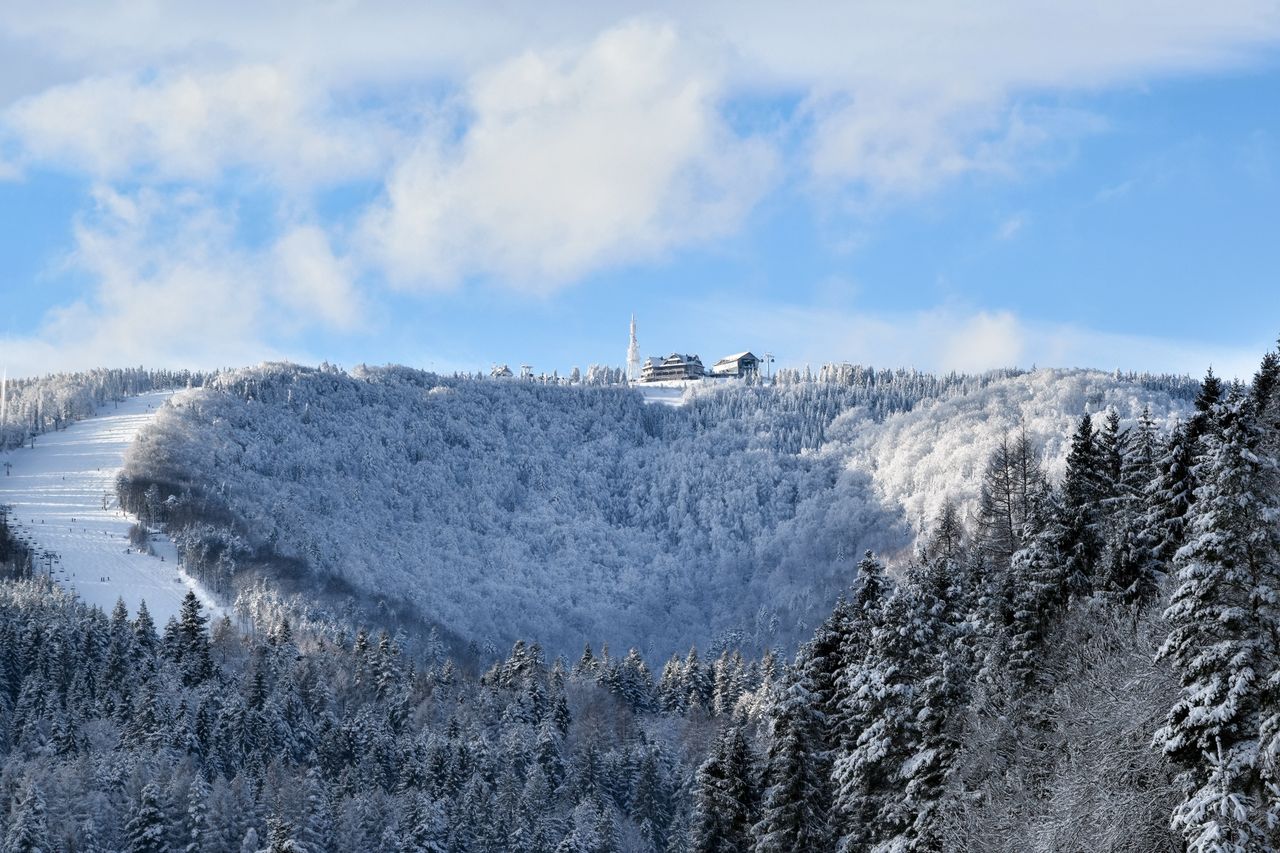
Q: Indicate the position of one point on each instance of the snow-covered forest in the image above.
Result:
(501, 510)
(33, 406)
(1086, 660)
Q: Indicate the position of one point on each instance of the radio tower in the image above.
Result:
(633, 354)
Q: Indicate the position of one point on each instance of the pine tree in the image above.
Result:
(145, 832)
(197, 822)
(1133, 571)
(1084, 488)
(723, 800)
(28, 828)
(896, 743)
(650, 800)
(280, 837)
(427, 831)
(1222, 641)
(794, 809)
(191, 651)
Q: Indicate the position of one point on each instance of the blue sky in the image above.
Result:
(944, 188)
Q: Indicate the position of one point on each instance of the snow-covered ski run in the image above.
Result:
(63, 503)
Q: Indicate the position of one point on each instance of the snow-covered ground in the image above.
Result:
(63, 496)
(663, 393)
(676, 392)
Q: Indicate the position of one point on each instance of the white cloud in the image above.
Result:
(314, 284)
(570, 163)
(171, 287)
(1011, 227)
(193, 126)
(899, 98)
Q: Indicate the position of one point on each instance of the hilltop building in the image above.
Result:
(740, 365)
(681, 366)
(674, 366)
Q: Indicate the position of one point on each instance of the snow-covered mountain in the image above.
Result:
(500, 510)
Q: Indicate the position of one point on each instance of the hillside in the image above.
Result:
(499, 510)
(59, 496)
(936, 451)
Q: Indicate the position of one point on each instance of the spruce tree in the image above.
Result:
(723, 800)
(872, 733)
(280, 837)
(794, 807)
(426, 830)
(197, 820)
(1084, 488)
(1206, 401)
(145, 832)
(1132, 570)
(938, 696)
(1265, 384)
(898, 732)
(28, 827)
(947, 537)
(1039, 594)
(1223, 640)
(1169, 498)
(650, 801)
(191, 651)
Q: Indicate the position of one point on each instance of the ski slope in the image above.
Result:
(63, 498)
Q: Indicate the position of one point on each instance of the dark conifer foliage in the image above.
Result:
(294, 742)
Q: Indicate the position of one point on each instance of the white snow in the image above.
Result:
(63, 498)
(664, 393)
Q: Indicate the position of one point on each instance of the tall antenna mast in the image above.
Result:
(633, 354)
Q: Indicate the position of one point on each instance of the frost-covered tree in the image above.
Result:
(724, 797)
(1133, 565)
(1224, 631)
(280, 838)
(146, 830)
(898, 723)
(1011, 484)
(191, 643)
(28, 830)
(794, 807)
(1084, 489)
